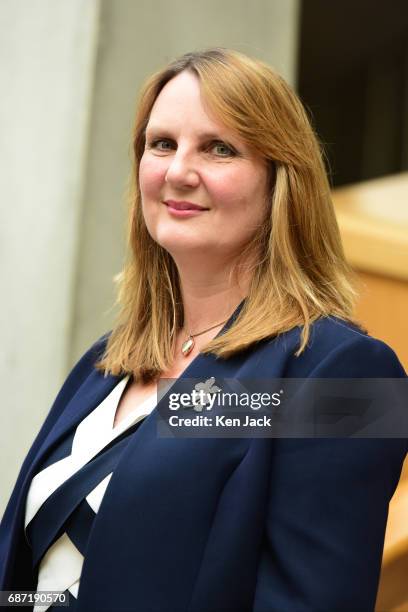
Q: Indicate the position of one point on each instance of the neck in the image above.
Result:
(210, 294)
(211, 290)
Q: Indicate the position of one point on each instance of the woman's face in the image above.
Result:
(190, 161)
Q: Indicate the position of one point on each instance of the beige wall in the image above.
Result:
(72, 73)
(47, 53)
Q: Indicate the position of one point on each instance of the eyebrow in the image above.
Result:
(203, 135)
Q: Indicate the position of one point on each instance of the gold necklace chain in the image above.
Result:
(189, 344)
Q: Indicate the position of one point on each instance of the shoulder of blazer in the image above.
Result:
(337, 349)
(79, 373)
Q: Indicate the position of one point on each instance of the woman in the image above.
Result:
(236, 270)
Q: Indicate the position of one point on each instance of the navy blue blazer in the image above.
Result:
(229, 525)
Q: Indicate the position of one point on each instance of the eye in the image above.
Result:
(222, 149)
(160, 144)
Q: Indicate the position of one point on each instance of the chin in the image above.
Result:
(182, 244)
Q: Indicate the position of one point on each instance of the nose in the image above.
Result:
(182, 171)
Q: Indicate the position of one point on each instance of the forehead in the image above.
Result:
(181, 102)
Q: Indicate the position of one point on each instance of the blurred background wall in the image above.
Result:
(47, 64)
(71, 73)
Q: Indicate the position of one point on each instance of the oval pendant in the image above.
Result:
(187, 346)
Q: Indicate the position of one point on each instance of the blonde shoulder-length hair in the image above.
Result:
(301, 273)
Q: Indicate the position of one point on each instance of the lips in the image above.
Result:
(183, 205)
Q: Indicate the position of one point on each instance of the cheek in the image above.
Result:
(151, 177)
(226, 188)
(239, 189)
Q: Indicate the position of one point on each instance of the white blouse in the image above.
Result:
(60, 567)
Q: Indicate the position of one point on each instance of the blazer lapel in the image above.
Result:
(86, 399)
